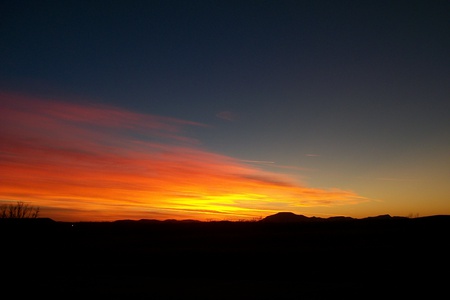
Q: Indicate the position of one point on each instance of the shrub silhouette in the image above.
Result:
(20, 210)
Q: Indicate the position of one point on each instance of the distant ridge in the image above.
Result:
(33, 221)
(289, 217)
(286, 217)
(153, 221)
(280, 217)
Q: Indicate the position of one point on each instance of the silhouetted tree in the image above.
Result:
(20, 210)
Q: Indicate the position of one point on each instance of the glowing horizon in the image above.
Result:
(81, 162)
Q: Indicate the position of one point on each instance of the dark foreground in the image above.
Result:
(348, 259)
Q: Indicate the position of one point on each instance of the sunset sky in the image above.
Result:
(225, 110)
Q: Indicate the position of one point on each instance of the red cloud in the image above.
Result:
(82, 162)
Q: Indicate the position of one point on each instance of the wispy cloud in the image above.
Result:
(90, 162)
(227, 115)
(396, 179)
(260, 162)
(272, 164)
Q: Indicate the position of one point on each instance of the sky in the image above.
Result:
(225, 110)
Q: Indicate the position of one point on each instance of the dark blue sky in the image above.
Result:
(355, 93)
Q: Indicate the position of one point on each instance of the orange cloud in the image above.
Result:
(91, 163)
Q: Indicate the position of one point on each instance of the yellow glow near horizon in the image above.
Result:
(91, 163)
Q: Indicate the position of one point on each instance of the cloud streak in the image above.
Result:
(227, 115)
(81, 162)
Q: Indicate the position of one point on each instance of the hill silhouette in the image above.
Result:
(282, 256)
(280, 217)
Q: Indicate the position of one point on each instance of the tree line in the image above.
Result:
(19, 210)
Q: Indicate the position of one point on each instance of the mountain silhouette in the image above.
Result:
(286, 217)
(290, 217)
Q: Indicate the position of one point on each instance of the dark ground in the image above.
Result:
(348, 259)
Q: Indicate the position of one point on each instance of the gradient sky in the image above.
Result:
(231, 110)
